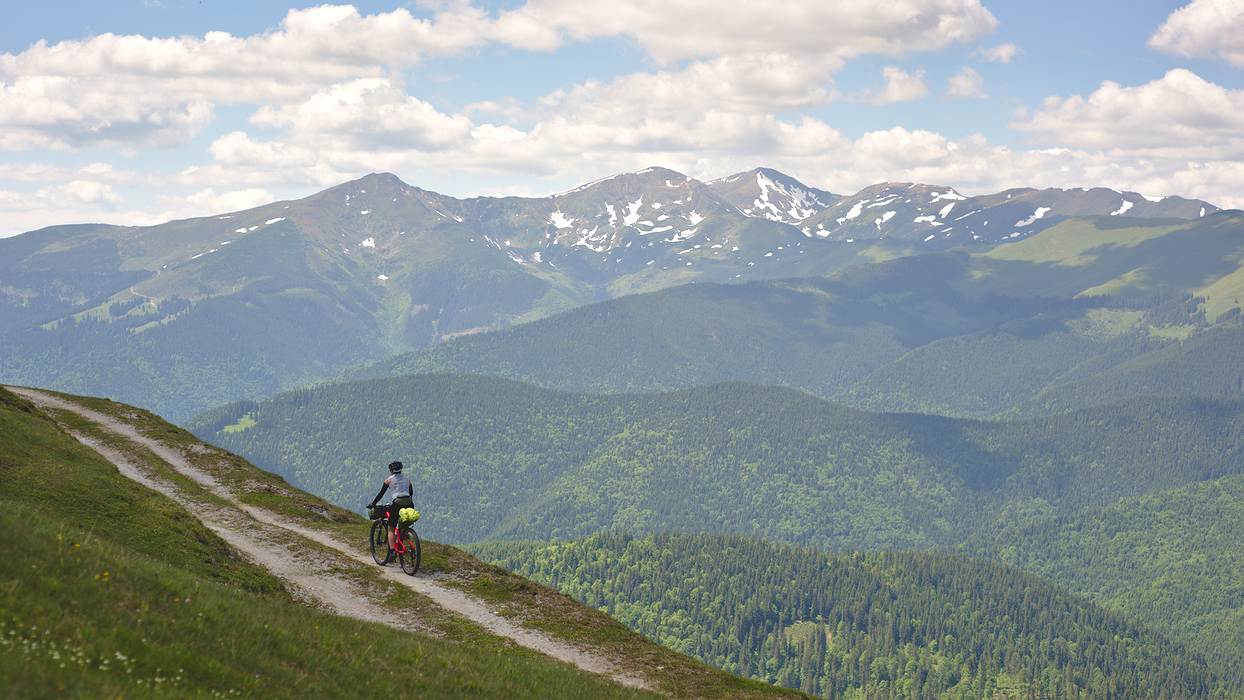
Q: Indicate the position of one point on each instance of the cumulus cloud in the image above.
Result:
(900, 86)
(152, 92)
(1180, 115)
(967, 84)
(1002, 53)
(206, 202)
(140, 92)
(843, 29)
(1204, 29)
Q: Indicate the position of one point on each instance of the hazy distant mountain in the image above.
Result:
(195, 313)
(1027, 328)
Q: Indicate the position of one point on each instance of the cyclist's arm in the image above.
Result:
(383, 487)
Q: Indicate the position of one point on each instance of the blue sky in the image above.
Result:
(137, 112)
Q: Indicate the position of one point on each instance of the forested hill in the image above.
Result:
(878, 625)
(496, 459)
(1173, 559)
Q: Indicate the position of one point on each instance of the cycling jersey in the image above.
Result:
(399, 485)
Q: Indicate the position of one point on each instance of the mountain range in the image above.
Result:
(1079, 315)
(193, 314)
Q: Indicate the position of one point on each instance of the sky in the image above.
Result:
(137, 112)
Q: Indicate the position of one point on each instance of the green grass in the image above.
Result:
(84, 617)
(1077, 242)
(243, 423)
(1100, 255)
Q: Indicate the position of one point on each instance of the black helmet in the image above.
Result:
(395, 467)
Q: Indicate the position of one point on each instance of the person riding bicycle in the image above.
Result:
(403, 497)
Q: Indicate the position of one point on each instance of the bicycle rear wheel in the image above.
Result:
(411, 553)
(379, 541)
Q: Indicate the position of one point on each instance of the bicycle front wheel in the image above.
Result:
(411, 553)
(379, 542)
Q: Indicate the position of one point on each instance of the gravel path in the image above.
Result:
(265, 538)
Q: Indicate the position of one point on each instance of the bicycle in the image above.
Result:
(408, 550)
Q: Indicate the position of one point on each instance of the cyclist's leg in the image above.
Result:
(391, 516)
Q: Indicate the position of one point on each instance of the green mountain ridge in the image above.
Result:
(1172, 559)
(496, 459)
(867, 625)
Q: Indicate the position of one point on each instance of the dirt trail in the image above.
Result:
(265, 538)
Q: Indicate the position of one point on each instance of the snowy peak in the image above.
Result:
(939, 217)
(769, 194)
(654, 207)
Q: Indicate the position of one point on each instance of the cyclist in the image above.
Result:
(403, 497)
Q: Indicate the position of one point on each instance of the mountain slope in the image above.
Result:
(859, 625)
(818, 334)
(162, 606)
(494, 459)
(1174, 560)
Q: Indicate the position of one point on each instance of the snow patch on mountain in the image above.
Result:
(632, 214)
(1039, 213)
(855, 211)
(1122, 208)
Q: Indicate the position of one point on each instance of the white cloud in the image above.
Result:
(967, 84)
(207, 202)
(1179, 116)
(329, 105)
(368, 114)
(139, 92)
(148, 92)
(842, 29)
(900, 86)
(1002, 53)
(1204, 29)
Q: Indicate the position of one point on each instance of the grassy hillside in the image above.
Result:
(117, 591)
(494, 459)
(876, 625)
(1173, 559)
(1113, 255)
